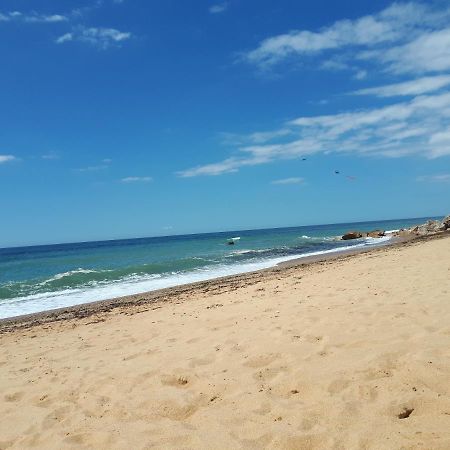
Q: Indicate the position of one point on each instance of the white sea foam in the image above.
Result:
(246, 251)
(238, 252)
(59, 276)
(136, 283)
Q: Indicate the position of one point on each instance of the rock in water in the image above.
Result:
(352, 235)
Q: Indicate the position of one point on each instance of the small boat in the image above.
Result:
(233, 240)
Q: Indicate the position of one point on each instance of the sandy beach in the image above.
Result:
(350, 353)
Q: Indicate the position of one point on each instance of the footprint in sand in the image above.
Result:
(15, 397)
(337, 386)
(130, 357)
(181, 411)
(174, 380)
(262, 360)
(43, 402)
(313, 339)
(405, 413)
(194, 362)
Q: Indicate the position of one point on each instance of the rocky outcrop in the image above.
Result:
(352, 235)
(359, 234)
(376, 234)
(446, 222)
(428, 228)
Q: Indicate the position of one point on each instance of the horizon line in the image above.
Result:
(212, 232)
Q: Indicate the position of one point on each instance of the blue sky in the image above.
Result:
(134, 118)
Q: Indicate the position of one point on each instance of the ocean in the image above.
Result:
(45, 277)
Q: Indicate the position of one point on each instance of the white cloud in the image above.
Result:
(429, 52)
(136, 179)
(413, 87)
(389, 25)
(102, 38)
(7, 158)
(41, 18)
(440, 178)
(293, 180)
(50, 156)
(420, 126)
(33, 17)
(404, 38)
(254, 138)
(227, 166)
(218, 8)
(360, 74)
(92, 168)
(64, 38)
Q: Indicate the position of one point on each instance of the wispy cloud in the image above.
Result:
(7, 158)
(39, 18)
(229, 165)
(93, 168)
(418, 86)
(254, 138)
(419, 126)
(428, 53)
(101, 38)
(50, 156)
(136, 179)
(105, 164)
(292, 180)
(404, 37)
(360, 74)
(440, 178)
(32, 17)
(218, 8)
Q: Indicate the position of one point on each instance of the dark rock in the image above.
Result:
(446, 222)
(352, 235)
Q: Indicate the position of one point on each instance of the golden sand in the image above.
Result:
(345, 354)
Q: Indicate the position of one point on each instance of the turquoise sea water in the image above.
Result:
(45, 277)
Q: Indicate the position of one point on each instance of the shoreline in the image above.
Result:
(88, 309)
(349, 351)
